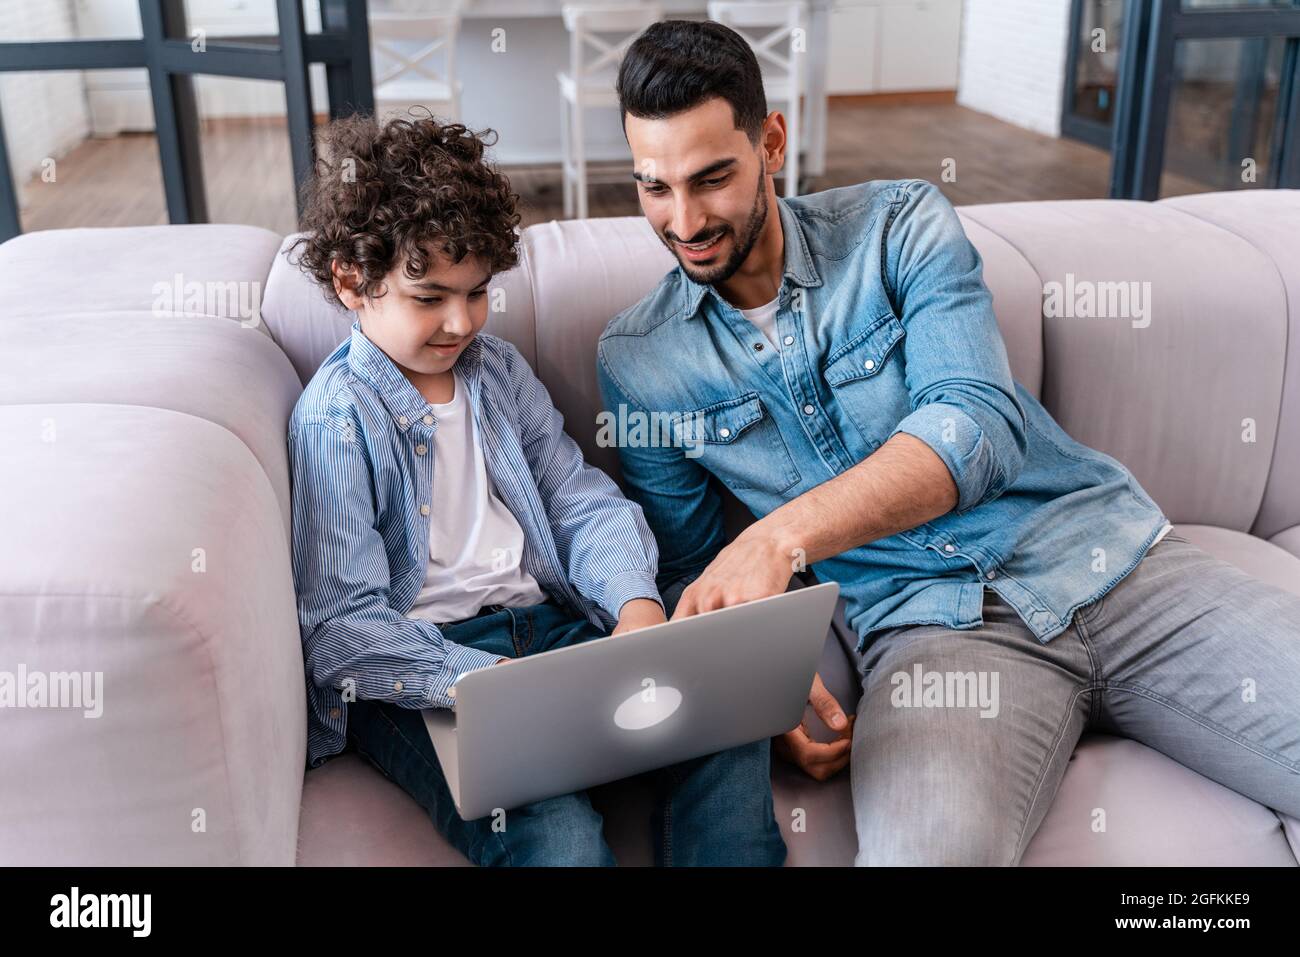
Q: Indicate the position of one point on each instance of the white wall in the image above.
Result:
(44, 113)
(1013, 60)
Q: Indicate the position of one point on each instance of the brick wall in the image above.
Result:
(1013, 60)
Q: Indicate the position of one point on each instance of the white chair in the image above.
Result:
(599, 35)
(782, 65)
(425, 77)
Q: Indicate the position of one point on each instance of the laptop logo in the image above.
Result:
(650, 706)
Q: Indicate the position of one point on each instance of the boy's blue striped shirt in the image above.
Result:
(361, 511)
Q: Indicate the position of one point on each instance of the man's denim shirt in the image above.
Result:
(360, 444)
(885, 326)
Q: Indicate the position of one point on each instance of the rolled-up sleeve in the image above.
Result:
(963, 399)
(352, 637)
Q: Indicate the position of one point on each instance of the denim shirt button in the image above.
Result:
(788, 340)
(807, 410)
(992, 574)
(724, 432)
(869, 364)
(949, 548)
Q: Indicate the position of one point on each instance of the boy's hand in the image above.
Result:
(638, 613)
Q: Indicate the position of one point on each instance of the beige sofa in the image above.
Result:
(146, 508)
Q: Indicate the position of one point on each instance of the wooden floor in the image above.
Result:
(116, 181)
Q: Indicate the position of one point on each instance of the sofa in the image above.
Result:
(146, 380)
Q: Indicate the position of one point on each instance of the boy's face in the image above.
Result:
(702, 182)
(423, 325)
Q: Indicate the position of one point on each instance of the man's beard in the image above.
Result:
(712, 275)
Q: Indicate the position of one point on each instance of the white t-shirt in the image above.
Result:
(475, 544)
(765, 318)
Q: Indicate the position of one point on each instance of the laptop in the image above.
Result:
(569, 719)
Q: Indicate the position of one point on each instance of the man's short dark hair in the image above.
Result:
(676, 65)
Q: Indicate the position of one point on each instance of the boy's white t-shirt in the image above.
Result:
(475, 544)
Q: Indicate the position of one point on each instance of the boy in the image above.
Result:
(442, 519)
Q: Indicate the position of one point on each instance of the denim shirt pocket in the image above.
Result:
(864, 355)
(740, 443)
(867, 378)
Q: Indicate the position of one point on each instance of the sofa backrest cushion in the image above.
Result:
(1269, 220)
(1169, 381)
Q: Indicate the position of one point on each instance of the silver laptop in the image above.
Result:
(586, 714)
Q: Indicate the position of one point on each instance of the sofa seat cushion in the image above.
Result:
(352, 815)
(1124, 805)
(1254, 556)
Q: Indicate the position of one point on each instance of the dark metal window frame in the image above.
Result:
(165, 50)
(1152, 29)
(1138, 158)
(1072, 124)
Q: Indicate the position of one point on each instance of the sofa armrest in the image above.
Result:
(145, 556)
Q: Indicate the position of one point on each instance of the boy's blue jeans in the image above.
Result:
(714, 810)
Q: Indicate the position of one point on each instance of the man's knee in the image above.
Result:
(919, 844)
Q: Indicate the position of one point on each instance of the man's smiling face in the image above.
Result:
(703, 186)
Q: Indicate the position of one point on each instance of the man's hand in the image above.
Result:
(901, 485)
(638, 613)
(753, 566)
(819, 761)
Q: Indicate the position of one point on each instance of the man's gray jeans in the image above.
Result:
(1187, 654)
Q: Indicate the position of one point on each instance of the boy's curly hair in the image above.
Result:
(384, 193)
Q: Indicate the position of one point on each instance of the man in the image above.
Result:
(840, 358)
